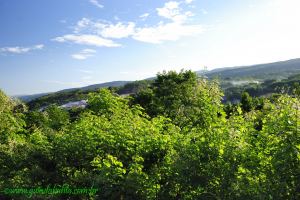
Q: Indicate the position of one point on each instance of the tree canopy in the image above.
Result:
(171, 140)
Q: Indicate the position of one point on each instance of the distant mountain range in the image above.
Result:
(101, 85)
(276, 70)
(28, 98)
(270, 71)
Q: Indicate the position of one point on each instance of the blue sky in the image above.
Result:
(56, 44)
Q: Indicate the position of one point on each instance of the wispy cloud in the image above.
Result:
(119, 30)
(89, 51)
(166, 32)
(84, 54)
(188, 1)
(175, 23)
(174, 12)
(82, 24)
(21, 50)
(170, 10)
(87, 39)
(105, 29)
(96, 3)
(144, 16)
(172, 31)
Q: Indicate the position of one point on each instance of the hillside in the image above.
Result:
(257, 80)
(28, 98)
(98, 86)
(264, 88)
(276, 70)
(71, 95)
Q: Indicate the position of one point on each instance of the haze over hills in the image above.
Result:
(269, 71)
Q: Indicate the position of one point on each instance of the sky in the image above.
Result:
(49, 45)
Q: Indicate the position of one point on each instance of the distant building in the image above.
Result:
(75, 104)
(70, 105)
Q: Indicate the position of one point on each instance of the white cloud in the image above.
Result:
(172, 11)
(88, 26)
(88, 51)
(118, 30)
(20, 50)
(84, 54)
(101, 33)
(188, 1)
(144, 16)
(39, 46)
(87, 39)
(96, 3)
(105, 29)
(82, 24)
(80, 56)
(167, 32)
(15, 49)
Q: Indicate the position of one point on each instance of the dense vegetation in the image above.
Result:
(172, 139)
(265, 88)
(65, 96)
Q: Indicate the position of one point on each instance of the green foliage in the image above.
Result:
(58, 98)
(118, 146)
(56, 117)
(63, 97)
(178, 145)
(105, 103)
(52, 117)
(182, 97)
(246, 102)
(36, 119)
(133, 87)
(10, 118)
(263, 89)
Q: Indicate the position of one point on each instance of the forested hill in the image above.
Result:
(98, 86)
(276, 70)
(66, 96)
(253, 79)
(28, 98)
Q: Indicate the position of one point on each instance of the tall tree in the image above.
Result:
(183, 97)
(247, 102)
